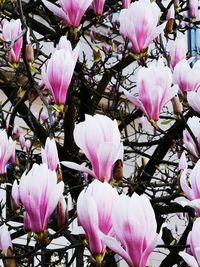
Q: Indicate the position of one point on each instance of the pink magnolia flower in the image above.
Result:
(57, 74)
(50, 154)
(139, 24)
(5, 240)
(126, 3)
(192, 192)
(98, 6)
(99, 138)
(11, 33)
(192, 257)
(194, 125)
(39, 193)
(7, 149)
(134, 226)
(187, 78)
(193, 8)
(154, 89)
(71, 11)
(178, 51)
(194, 100)
(94, 208)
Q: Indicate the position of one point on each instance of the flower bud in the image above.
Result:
(29, 53)
(177, 106)
(62, 212)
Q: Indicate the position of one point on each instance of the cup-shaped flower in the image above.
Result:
(71, 11)
(11, 35)
(187, 78)
(134, 227)
(154, 89)
(193, 257)
(177, 51)
(139, 24)
(99, 138)
(194, 100)
(39, 194)
(50, 154)
(98, 6)
(5, 240)
(192, 192)
(94, 208)
(188, 140)
(126, 3)
(7, 148)
(57, 74)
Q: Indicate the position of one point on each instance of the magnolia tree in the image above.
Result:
(100, 133)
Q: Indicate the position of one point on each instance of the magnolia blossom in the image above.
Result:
(99, 138)
(5, 240)
(178, 51)
(12, 35)
(154, 89)
(194, 100)
(139, 24)
(187, 78)
(193, 8)
(126, 3)
(71, 11)
(192, 258)
(134, 227)
(39, 193)
(194, 125)
(192, 192)
(98, 6)
(50, 154)
(94, 208)
(57, 74)
(7, 151)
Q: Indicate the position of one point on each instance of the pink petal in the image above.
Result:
(190, 260)
(194, 100)
(184, 185)
(114, 245)
(78, 167)
(88, 219)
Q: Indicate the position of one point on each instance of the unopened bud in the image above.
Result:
(170, 25)
(29, 53)
(118, 170)
(62, 212)
(176, 4)
(177, 106)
